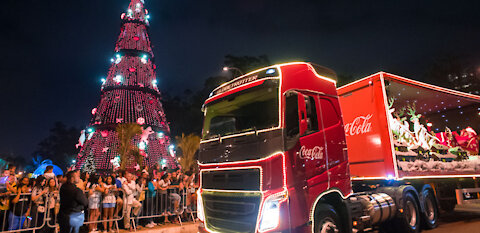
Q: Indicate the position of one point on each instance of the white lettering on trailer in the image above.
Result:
(313, 153)
(360, 125)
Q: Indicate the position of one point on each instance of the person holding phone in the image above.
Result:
(19, 205)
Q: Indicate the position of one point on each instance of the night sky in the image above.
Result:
(54, 52)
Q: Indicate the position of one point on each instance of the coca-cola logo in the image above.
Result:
(312, 153)
(360, 125)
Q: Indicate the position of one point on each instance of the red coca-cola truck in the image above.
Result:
(284, 150)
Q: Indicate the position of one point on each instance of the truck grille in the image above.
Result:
(243, 179)
(231, 212)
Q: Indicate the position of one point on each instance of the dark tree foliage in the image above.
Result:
(184, 112)
(15, 159)
(246, 63)
(59, 146)
(455, 72)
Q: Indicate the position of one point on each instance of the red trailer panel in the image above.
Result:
(368, 140)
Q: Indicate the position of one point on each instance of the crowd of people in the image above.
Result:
(149, 197)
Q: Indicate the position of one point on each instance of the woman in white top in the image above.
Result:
(39, 199)
(163, 184)
(108, 202)
(95, 190)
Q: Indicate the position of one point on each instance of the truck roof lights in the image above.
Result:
(270, 71)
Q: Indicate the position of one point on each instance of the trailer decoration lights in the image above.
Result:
(127, 96)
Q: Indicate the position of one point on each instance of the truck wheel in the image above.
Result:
(326, 220)
(409, 222)
(430, 216)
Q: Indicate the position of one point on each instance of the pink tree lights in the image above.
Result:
(129, 94)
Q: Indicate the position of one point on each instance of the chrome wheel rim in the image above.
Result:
(411, 214)
(328, 226)
(430, 209)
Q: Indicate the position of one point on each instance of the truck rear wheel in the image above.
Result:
(327, 220)
(430, 215)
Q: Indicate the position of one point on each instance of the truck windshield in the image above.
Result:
(254, 110)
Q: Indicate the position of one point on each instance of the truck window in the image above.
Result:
(291, 115)
(330, 115)
(312, 120)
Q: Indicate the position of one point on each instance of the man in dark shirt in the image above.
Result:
(72, 204)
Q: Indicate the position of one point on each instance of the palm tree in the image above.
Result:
(189, 145)
(126, 149)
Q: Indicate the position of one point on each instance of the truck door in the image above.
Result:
(310, 151)
(305, 146)
(336, 150)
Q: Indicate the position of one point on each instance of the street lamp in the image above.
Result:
(226, 68)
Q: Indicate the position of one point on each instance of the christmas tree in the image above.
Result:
(130, 110)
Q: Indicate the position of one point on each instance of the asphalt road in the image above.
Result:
(461, 220)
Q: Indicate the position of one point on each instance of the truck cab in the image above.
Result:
(273, 146)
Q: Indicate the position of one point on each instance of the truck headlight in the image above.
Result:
(200, 214)
(271, 212)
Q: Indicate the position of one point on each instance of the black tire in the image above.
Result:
(327, 220)
(409, 220)
(430, 214)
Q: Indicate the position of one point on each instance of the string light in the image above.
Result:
(118, 79)
(160, 135)
(144, 59)
(142, 145)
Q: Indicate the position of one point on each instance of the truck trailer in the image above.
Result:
(284, 150)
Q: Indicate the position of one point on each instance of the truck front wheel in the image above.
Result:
(327, 220)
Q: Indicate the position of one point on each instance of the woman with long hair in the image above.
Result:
(52, 201)
(109, 201)
(95, 190)
(149, 207)
(39, 199)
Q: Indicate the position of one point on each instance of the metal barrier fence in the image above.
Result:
(169, 203)
(19, 213)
